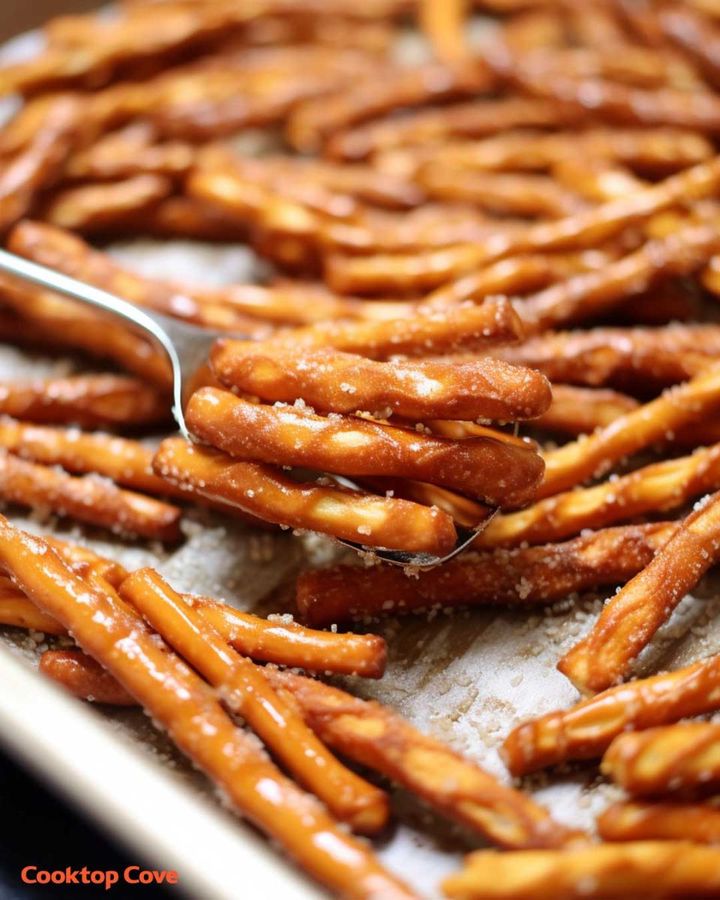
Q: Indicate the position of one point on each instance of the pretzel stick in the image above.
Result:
(579, 410)
(244, 691)
(696, 34)
(619, 356)
(654, 421)
(374, 736)
(128, 153)
(607, 871)
(97, 208)
(86, 400)
(523, 577)
(630, 618)
(658, 487)
(17, 611)
(64, 251)
(674, 759)
(189, 710)
(586, 730)
(87, 499)
(638, 821)
(345, 383)
(313, 122)
(592, 294)
(83, 677)
(515, 276)
(584, 229)
(39, 165)
(474, 119)
(497, 472)
(444, 27)
(264, 491)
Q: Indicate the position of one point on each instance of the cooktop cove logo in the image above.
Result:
(106, 878)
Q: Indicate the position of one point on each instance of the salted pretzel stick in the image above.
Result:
(657, 869)
(586, 730)
(407, 272)
(39, 165)
(673, 759)
(345, 383)
(17, 611)
(96, 207)
(122, 460)
(619, 356)
(274, 497)
(514, 193)
(443, 24)
(592, 456)
(591, 294)
(312, 122)
(89, 499)
(86, 400)
(522, 577)
(497, 472)
(580, 410)
(83, 677)
(245, 692)
(473, 119)
(191, 713)
(638, 821)
(515, 276)
(630, 618)
(374, 736)
(658, 487)
(67, 253)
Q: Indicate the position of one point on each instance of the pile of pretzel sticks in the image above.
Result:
(446, 241)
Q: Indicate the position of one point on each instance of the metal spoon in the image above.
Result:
(187, 347)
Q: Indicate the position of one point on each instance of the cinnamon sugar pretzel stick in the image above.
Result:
(244, 690)
(266, 492)
(673, 759)
(190, 711)
(658, 487)
(474, 119)
(630, 618)
(381, 272)
(498, 473)
(87, 499)
(346, 383)
(40, 164)
(374, 736)
(525, 576)
(654, 869)
(586, 730)
(655, 421)
(619, 356)
(638, 821)
(313, 122)
(97, 207)
(86, 400)
(580, 410)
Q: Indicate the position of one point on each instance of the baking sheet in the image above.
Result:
(466, 678)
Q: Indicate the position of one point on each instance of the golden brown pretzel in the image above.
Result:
(244, 691)
(265, 491)
(658, 870)
(643, 821)
(494, 471)
(522, 577)
(39, 165)
(630, 618)
(585, 730)
(580, 410)
(86, 400)
(622, 357)
(374, 736)
(656, 488)
(87, 499)
(189, 710)
(345, 383)
(593, 456)
(674, 759)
